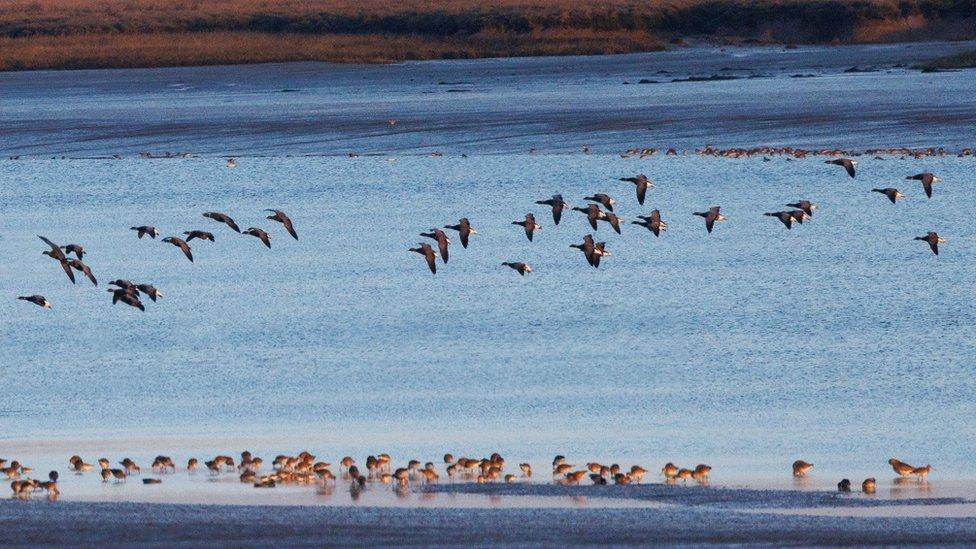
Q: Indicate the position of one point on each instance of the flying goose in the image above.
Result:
(259, 233)
(927, 180)
(892, 194)
(519, 267)
(429, 254)
(847, 163)
(181, 244)
(711, 216)
(529, 224)
(38, 300)
(933, 239)
(280, 217)
(642, 183)
(464, 229)
(223, 218)
(602, 199)
(146, 230)
(442, 242)
(652, 222)
(558, 205)
(56, 253)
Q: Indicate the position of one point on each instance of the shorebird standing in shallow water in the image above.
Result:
(429, 254)
(847, 163)
(921, 472)
(442, 242)
(670, 471)
(38, 300)
(280, 217)
(892, 194)
(900, 467)
(557, 204)
(519, 267)
(927, 180)
(711, 217)
(464, 229)
(653, 222)
(801, 468)
(642, 183)
(844, 485)
(868, 485)
(529, 225)
(933, 240)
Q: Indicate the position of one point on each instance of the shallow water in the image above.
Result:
(842, 341)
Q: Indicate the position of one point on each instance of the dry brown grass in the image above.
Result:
(129, 33)
(183, 49)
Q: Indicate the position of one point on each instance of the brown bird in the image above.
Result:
(464, 229)
(201, 235)
(800, 468)
(652, 222)
(799, 216)
(602, 199)
(588, 248)
(442, 242)
(223, 218)
(927, 180)
(844, 485)
(38, 300)
(670, 470)
(76, 249)
(181, 244)
(77, 264)
(529, 224)
(429, 254)
(128, 297)
(892, 194)
(150, 291)
(520, 268)
(146, 230)
(593, 214)
(900, 467)
(280, 217)
(558, 205)
(56, 253)
(124, 284)
(868, 485)
(933, 239)
(921, 472)
(785, 217)
(613, 220)
(711, 216)
(804, 205)
(643, 183)
(847, 163)
(259, 233)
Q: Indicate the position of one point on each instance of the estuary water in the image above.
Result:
(842, 341)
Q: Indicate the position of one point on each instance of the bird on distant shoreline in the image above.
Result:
(519, 267)
(231, 162)
(557, 204)
(260, 234)
(847, 163)
(464, 229)
(223, 218)
(711, 217)
(200, 235)
(146, 230)
(280, 217)
(927, 180)
(844, 485)
(181, 244)
(800, 468)
(602, 199)
(429, 254)
(36, 299)
(653, 222)
(529, 225)
(442, 242)
(892, 194)
(58, 255)
(868, 485)
(933, 240)
(642, 183)
(901, 467)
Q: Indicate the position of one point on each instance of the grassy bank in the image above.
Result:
(124, 33)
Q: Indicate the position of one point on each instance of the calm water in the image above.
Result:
(842, 341)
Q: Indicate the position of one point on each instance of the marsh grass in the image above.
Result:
(131, 33)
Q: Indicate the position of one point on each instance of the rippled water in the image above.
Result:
(843, 341)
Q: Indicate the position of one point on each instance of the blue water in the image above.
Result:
(843, 340)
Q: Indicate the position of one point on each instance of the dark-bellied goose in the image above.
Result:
(429, 254)
(38, 300)
(933, 239)
(442, 242)
(642, 183)
(927, 180)
(200, 235)
(223, 218)
(653, 222)
(280, 217)
(145, 230)
(56, 254)
(181, 244)
(557, 204)
(519, 267)
(593, 214)
(711, 216)
(259, 233)
(464, 229)
(847, 163)
(529, 225)
(892, 194)
(602, 199)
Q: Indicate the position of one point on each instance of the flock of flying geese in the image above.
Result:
(129, 292)
(594, 251)
(304, 469)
